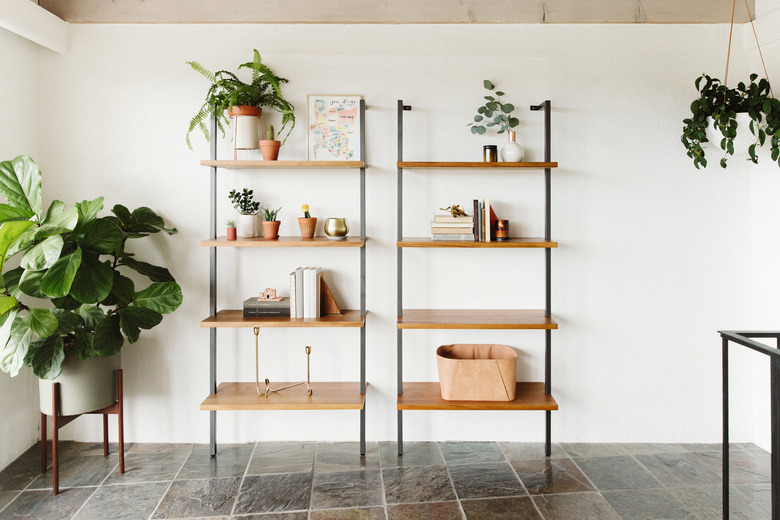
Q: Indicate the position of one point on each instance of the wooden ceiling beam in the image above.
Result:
(397, 11)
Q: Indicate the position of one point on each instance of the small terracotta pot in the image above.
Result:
(270, 149)
(231, 233)
(307, 225)
(271, 229)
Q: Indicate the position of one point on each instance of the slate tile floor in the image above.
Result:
(432, 481)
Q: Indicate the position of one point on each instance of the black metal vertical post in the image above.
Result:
(363, 274)
(725, 445)
(775, 396)
(213, 287)
(548, 269)
(399, 272)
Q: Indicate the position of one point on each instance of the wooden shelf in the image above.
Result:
(445, 165)
(235, 318)
(475, 319)
(514, 242)
(283, 242)
(325, 396)
(427, 396)
(284, 165)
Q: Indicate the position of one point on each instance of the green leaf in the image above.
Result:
(30, 284)
(92, 315)
(507, 107)
(67, 321)
(475, 129)
(93, 280)
(20, 184)
(123, 288)
(10, 233)
(488, 84)
(108, 337)
(123, 214)
(42, 322)
(43, 254)
(83, 344)
(144, 220)
(45, 357)
(67, 303)
(14, 349)
(58, 220)
(7, 303)
(100, 235)
(132, 319)
(481, 130)
(499, 93)
(492, 105)
(478, 118)
(57, 281)
(161, 274)
(513, 122)
(89, 209)
(162, 297)
(8, 213)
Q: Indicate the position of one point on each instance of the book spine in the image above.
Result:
(267, 313)
(488, 230)
(292, 295)
(309, 295)
(318, 292)
(475, 220)
(461, 238)
(299, 292)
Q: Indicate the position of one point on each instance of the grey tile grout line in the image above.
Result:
(243, 478)
(311, 485)
(168, 487)
(381, 478)
(525, 488)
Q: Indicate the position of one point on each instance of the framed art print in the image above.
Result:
(334, 128)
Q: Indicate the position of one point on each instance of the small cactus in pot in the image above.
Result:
(269, 147)
(307, 223)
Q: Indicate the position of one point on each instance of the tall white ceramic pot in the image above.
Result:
(511, 151)
(246, 127)
(85, 385)
(744, 136)
(247, 226)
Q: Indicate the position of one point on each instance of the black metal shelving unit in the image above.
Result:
(330, 396)
(425, 396)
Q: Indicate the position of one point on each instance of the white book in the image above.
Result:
(299, 296)
(292, 295)
(311, 291)
(488, 231)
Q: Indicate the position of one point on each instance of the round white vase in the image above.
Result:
(511, 151)
(85, 385)
(247, 226)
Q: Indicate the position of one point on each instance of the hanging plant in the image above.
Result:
(717, 106)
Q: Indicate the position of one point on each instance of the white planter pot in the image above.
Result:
(247, 226)
(741, 143)
(85, 386)
(246, 132)
(511, 151)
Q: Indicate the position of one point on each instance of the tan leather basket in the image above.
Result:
(477, 372)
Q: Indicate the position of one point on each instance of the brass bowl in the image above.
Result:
(336, 228)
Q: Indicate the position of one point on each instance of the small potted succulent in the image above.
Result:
(231, 228)
(247, 209)
(270, 224)
(269, 146)
(495, 113)
(307, 223)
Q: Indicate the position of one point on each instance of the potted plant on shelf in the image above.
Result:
(723, 114)
(231, 229)
(495, 113)
(270, 224)
(75, 259)
(307, 223)
(247, 212)
(227, 91)
(269, 146)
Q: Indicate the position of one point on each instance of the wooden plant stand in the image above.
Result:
(58, 421)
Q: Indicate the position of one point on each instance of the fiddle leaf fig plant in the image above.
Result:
(78, 261)
(718, 106)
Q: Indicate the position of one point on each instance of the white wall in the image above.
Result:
(18, 135)
(654, 256)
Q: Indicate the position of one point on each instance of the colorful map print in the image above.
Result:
(334, 128)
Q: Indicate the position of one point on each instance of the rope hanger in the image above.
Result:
(758, 46)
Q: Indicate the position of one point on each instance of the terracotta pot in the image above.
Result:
(85, 385)
(271, 229)
(307, 225)
(231, 233)
(270, 149)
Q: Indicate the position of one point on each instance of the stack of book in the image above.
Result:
(305, 292)
(484, 221)
(259, 308)
(447, 227)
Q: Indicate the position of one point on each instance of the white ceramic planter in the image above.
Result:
(85, 386)
(741, 143)
(511, 151)
(246, 127)
(247, 226)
